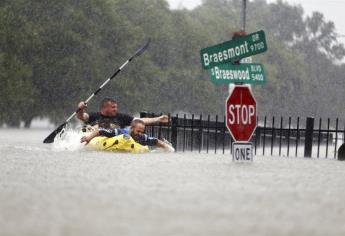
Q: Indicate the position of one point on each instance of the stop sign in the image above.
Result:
(240, 113)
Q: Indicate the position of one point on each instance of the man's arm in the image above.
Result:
(102, 132)
(165, 146)
(155, 120)
(144, 139)
(89, 137)
(82, 115)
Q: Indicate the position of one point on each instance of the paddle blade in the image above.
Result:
(51, 137)
(142, 49)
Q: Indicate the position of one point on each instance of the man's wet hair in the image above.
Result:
(105, 101)
(137, 121)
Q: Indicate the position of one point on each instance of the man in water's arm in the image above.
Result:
(144, 139)
(107, 132)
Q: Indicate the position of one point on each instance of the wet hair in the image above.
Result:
(137, 121)
(105, 101)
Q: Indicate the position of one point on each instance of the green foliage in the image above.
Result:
(56, 53)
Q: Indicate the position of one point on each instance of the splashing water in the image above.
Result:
(69, 139)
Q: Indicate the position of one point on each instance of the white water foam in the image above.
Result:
(68, 140)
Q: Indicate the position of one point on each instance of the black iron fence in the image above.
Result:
(289, 137)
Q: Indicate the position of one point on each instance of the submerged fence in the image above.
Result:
(276, 137)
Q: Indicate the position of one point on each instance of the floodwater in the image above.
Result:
(62, 189)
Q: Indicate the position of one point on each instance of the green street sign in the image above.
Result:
(238, 73)
(233, 50)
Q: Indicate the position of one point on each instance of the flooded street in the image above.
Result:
(45, 191)
(263, 79)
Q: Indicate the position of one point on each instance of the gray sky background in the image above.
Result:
(333, 10)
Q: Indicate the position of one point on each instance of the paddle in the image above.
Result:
(51, 137)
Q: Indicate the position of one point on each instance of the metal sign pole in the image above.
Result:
(243, 18)
(243, 29)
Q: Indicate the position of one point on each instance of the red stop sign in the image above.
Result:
(240, 113)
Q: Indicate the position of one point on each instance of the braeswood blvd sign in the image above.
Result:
(233, 50)
(238, 73)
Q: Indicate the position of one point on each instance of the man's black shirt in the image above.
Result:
(119, 120)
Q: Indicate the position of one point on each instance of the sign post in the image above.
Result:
(225, 64)
(243, 18)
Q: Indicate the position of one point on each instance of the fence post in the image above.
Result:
(174, 121)
(341, 153)
(143, 114)
(308, 145)
(200, 133)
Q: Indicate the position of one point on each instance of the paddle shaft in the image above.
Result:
(50, 138)
(100, 88)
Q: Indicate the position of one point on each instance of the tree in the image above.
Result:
(56, 53)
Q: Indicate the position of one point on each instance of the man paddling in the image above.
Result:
(136, 131)
(109, 110)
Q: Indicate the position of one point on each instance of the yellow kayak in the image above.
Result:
(120, 143)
